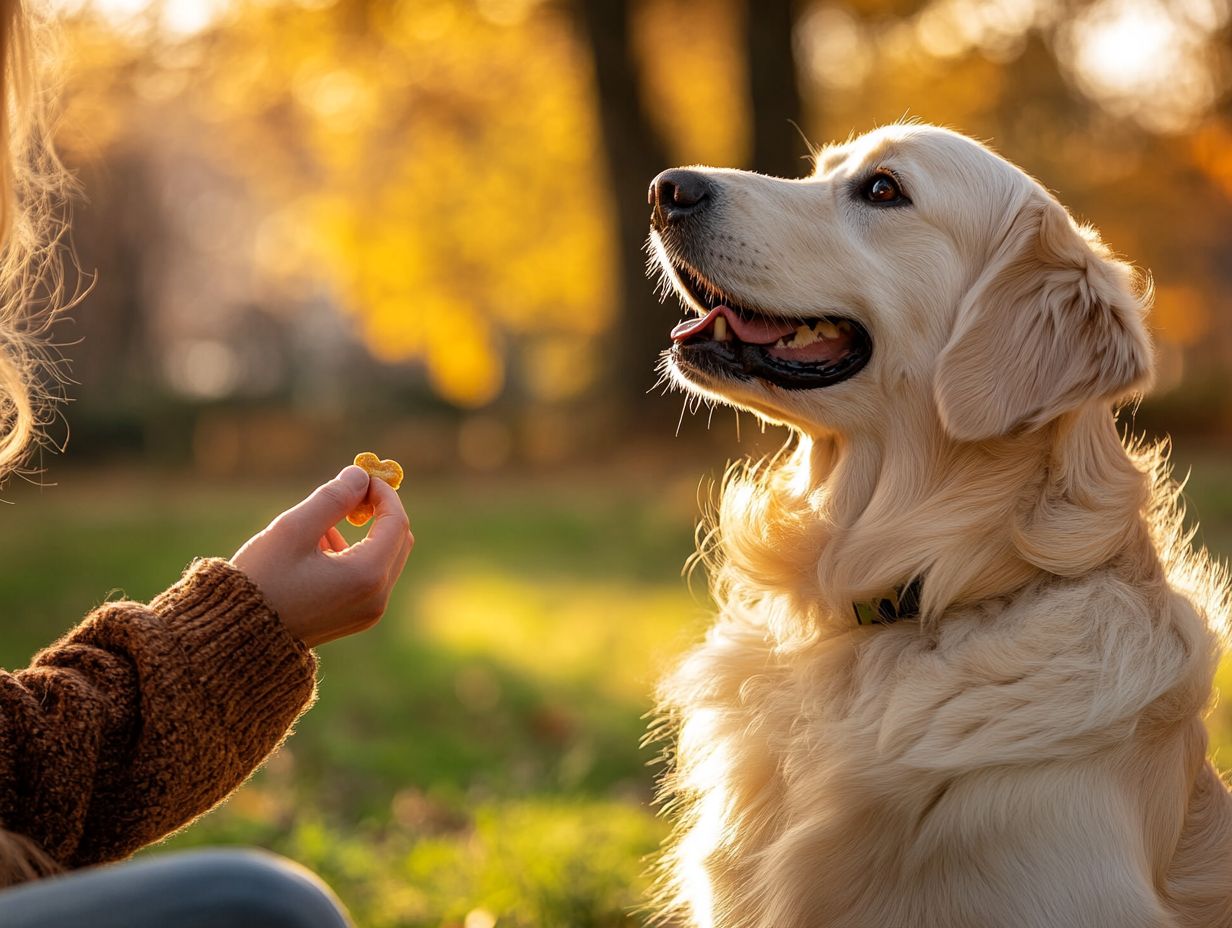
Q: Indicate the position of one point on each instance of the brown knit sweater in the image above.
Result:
(141, 718)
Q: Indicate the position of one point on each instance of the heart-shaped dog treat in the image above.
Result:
(388, 470)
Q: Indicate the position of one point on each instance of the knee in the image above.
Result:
(262, 889)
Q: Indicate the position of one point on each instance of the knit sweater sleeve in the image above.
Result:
(143, 717)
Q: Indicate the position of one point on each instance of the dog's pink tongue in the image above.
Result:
(693, 326)
(761, 330)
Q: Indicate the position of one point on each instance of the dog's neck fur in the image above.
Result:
(857, 516)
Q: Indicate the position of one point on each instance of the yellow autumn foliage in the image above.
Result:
(435, 167)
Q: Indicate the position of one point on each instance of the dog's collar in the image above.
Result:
(902, 603)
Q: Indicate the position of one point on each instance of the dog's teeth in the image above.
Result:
(781, 343)
(720, 329)
(803, 336)
(827, 330)
(845, 327)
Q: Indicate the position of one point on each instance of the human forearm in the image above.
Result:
(143, 717)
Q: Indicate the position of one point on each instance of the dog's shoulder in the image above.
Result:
(1062, 668)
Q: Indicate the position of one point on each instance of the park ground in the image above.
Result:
(475, 759)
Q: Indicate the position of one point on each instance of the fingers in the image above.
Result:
(328, 504)
(380, 557)
(321, 587)
(399, 564)
(391, 526)
(332, 541)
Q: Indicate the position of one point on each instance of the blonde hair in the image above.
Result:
(33, 187)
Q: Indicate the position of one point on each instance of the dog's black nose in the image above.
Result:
(678, 193)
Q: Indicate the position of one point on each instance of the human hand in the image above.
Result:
(321, 587)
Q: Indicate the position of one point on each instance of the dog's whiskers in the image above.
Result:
(684, 407)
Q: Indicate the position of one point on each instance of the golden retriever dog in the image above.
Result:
(963, 648)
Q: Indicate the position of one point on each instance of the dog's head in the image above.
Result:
(914, 262)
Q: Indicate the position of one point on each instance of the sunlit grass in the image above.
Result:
(476, 755)
(609, 635)
(478, 752)
(536, 862)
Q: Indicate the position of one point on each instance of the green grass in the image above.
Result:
(476, 755)
(479, 750)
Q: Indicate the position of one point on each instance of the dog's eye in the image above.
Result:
(882, 188)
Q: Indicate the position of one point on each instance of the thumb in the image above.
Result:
(329, 503)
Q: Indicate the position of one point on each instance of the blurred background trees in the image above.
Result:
(436, 209)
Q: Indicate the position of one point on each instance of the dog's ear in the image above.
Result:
(1052, 323)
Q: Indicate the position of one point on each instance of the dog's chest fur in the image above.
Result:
(898, 776)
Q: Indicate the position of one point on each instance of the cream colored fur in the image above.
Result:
(1030, 754)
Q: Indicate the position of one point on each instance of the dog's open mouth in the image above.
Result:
(796, 354)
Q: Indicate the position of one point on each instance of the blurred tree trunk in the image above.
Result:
(774, 89)
(119, 233)
(635, 154)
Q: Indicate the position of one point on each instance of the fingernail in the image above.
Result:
(355, 478)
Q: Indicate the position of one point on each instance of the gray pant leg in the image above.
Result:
(196, 889)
